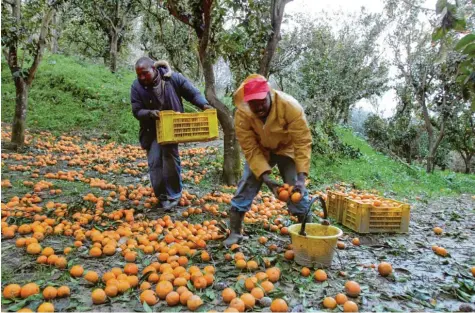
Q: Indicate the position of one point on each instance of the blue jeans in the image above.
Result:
(164, 168)
(249, 186)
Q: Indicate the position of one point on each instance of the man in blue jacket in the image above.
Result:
(158, 88)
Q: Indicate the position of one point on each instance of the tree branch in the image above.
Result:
(172, 8)
(41, 44)
(106, 17)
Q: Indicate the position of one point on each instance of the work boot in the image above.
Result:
(235, 224)
(169, 205)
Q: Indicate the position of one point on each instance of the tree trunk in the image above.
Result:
(54, 35)
(113, 51)
(277, 14)
(430, 133)
(19, 119)
(467, 160)
(232, 160)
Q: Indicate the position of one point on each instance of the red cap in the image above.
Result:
(255, 89)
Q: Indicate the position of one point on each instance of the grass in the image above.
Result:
(375, 170)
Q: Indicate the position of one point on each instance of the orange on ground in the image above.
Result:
(228, 294)
(279, 305)
(350, 306)
(352, 288)
(98, 296)
(329, 303)
(320, 275)
(385, 269)
(341, 298)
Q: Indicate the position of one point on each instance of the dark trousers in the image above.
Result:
(165, 171)
(249, 186)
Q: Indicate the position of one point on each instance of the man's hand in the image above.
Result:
(300, 183)
(207, 107)
(272, 184)
(155, 114)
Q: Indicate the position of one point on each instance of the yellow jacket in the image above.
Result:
(285, 131)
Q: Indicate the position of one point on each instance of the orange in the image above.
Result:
(438, 230)
(273, 274)
(194, 302)
(209, 269)
(329, 303)
(33, 248)
(296, 197)
(473, 271)
(98, 296)
(117, 271)
(262, 240)
(289, 255)
(241, 264)
(163, 289)
(385, 269)
(133, 281)
(350, 306)
(47, 251)
(252, 265)
(25, 310)
(352, 288)
(356, 241)
(185, 295)
(148, 296)
(441, 251)
(239, 256)
(61, 263)
(145, 285)
(95, 252)
(29, 289)
(305, 271)
(131, 269)
(76, 271)
(257, 292)
(130, 256)
(200, 282)
(341, 298)
(45, 307)
(64, 291)
(320, 275)
(238, 304)
(340, 245)
(91, 277)
(279, 305)
(111, 290)
(261, 276)
(173, 298)
(284, 196)
(181, 290)
(123, 285)
(267, 285)
(230, 310)
(50, 293)
(228, 294)
(12, 291)
(205, 256)
(107, 276)
(250, 283)
(249, 300)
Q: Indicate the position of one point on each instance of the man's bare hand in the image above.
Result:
(155, 114)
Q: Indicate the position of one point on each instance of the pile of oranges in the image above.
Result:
(286, 192)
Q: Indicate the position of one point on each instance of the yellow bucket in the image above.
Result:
(318, 247)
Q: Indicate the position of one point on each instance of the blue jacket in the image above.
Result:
(143, 100)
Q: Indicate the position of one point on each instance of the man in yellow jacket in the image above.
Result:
(272, 130)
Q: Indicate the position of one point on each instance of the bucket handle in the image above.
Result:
(309, 210)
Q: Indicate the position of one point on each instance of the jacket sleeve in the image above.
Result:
(301, 137)
(138, 109)
(250, 146)
(189, 92)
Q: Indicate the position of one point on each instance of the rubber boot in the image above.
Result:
(235, 224)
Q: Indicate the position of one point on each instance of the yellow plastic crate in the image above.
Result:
(174, 127)
(335, 204)
(365, 218)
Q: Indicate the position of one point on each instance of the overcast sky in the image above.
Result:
(387, 102)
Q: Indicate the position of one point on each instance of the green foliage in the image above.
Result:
(452, 20)
(376, 170)
(327, 143)
(320, 79)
